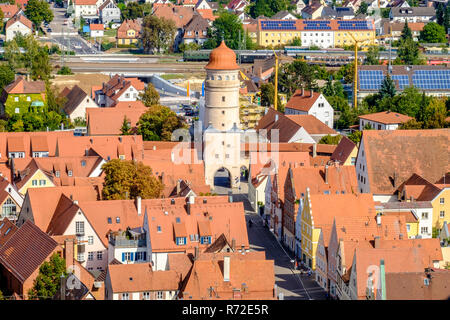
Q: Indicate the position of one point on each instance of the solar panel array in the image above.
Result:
(421, 79)
(370, 79)
(278, 25)
(342, 9)
(317, 24)
(431, 79)
(354, 25)
(403, 80)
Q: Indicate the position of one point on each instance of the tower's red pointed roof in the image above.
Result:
(222, 58)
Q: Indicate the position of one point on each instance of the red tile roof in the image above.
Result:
(401, 153)
(386, 117)
(129, 25)
(343, 150)
(178, 14)
(85, 2)
(311, 124)
(26, 250)
(9, 10)
(96, 26)
(302, 102)
(21, 85)
(139, 277)
(19, 18)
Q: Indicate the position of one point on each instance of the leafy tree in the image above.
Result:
(408, 53)
(268, 94)
(355, 137)
(268, 8)
(421, 115)
(385, 12)
(406, 32)
(296, 42)
(125, 129)
(433, 33)
(372, 56)
(226, 27)
(32, 122)
(297, 74)
(440, 12)
(17, 126)
(132, 11)
(128, 180)
(55, 102)
(6, 74)
(2, 16)
(53, 120)
(3, 125)
(65, 70)
(158, 123)
(150, 96)
(158, 33)
(413, 3)
(387, 87)
(189, 47)
(48, 282)
(446, 23)
(412, 124)
(328, 139)
(346, 73)
(38, 11)
(362, 8)
(436, 114)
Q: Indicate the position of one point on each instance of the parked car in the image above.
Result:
(49, 30)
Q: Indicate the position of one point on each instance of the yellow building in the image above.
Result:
(345, 153)
(129, 32)
(441, 208)
(319, 211)
(321, 33)
(36, 179)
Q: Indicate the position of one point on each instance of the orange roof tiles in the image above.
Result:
(401, 153)
(386, 117)
(178, 14)
(222, 58)
(139, 277)
(350, 205)
(96, 26)
(253, 278)
(341, 179)
(343, 150)
(19, 18)
(432, 247)
(9, 10)
(207, 14)
(108, 121)
(302, 102)
(311, 124)
(85, 2)
(129, 25)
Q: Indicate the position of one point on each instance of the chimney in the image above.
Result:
(233, 244)
(303, 91)
(379, 219)
(230, 197)
(191, 199)
(172, 156)
(190, 202)
(75, 202)
(226, 268)
(314, 153)
(377, 242)
(195, 253)
(178, 186)
(326, 174)
(69, 252)
(139, 205)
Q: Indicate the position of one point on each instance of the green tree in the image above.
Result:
(150, 96)
(408, 53)
(297, 42)
(412, 124)
(433, 33)
(132, 11)
(128, 180)
(158, 123)
(355, 136)
(406, 32)
(440, 12)
(346, 73)
(125, 129)
(421, 115)
(446, 23)
(52, 120)
(2, 16)
(362, 8)
(372, 56)
(437, 113)
(183, 47)
(385, 12)
(55, 102)
(387, 87)
(267, 95)
(38, 11)
(158, 34)
(413, 3)
(17, 126)
(6, 74)
(328, 139)
(48, 282)
(65, 70)
(295, 75)
(268, 8)
(32, 122)
(226, 27)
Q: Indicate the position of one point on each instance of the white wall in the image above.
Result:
(322, 39)
(361, 170)
(80, 110)
(17, 27)
(377, 125)
(302, 136)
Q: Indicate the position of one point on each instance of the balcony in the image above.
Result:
(127, 243)
(81, 257)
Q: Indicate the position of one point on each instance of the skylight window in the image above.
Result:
(109, 220)
(1, 225)
(7, 231)
(177, 220)
(117, 219)
(158, 228)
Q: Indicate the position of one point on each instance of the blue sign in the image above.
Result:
(203, 88)
(86, 29)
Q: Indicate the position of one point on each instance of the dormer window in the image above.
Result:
(109, 220)
(158, 228)
(57, 174)
(117, 219)
(69, 173)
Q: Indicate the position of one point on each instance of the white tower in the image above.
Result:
(220, 115)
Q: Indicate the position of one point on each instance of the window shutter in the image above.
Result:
(144, 256)
(123, 256)
(132, 256)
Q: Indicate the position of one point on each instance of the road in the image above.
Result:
(290, 282)
(66, 34)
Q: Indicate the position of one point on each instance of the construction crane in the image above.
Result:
(275, 98)
(355, 75)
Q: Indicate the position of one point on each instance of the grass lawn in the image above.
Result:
(169, 76)
(110, 33)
